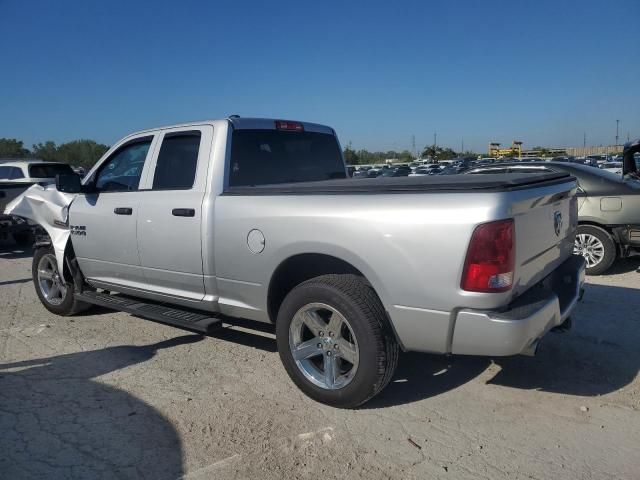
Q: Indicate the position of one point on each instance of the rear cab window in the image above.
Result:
(269, 156)
(49, 170)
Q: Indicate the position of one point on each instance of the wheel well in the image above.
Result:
(597, 225)
(297, 269)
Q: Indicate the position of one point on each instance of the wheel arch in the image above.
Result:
(300, 267)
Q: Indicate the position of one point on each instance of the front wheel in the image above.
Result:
(55, 294)
(597, 247)
(334, 342)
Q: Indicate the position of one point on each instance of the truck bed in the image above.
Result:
(432, 183)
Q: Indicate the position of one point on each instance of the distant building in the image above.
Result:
(516, 151)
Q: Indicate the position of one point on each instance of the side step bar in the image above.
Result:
(204, 323)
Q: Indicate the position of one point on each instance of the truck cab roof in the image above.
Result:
(246, 123)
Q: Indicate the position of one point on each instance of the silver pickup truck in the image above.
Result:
(197, 224)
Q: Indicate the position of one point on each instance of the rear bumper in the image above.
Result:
(518, 329)
(628, 235)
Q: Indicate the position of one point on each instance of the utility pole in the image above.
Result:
(584, 140)
(462, 146)
(617, 124)
(435, 137)
(413, 145)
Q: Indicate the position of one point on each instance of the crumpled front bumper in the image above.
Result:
(519, 328)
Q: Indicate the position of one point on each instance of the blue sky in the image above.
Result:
(543, 72)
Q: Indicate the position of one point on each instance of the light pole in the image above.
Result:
(617, 125)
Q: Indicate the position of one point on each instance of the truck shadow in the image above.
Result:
(57, 421)
(599, 355)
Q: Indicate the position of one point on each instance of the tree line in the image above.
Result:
(79, 153)
(85, 153)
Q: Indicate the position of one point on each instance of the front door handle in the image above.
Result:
(183, 212)
(123, 211)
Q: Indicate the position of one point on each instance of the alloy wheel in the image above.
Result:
(50, 283)
(323, 346)
(590, 247)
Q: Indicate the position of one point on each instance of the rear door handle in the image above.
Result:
(183, 212)
(123, 211)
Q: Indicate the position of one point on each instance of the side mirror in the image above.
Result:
(68, 183)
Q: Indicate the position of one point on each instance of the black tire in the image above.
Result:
(358, 303)
(610, 251)
(23, 239)
(68, 305)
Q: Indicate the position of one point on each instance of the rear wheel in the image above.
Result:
(597, 247)
(54, 292)
(333, 341)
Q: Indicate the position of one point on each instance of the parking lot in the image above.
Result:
(107, 395)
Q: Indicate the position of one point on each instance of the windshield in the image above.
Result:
(262, 157)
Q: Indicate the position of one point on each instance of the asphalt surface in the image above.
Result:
(107, 395)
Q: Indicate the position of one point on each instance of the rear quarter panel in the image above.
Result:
(411, 247)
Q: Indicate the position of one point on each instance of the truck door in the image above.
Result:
(170, 213)
(103, 222)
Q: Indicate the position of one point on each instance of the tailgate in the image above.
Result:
(545, 227)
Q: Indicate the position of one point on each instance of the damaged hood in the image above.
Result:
(49, 208)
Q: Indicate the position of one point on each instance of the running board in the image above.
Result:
(190, 320)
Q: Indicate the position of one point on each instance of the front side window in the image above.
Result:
(177, 161)
(122, 171)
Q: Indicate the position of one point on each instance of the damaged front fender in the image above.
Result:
(49, 208)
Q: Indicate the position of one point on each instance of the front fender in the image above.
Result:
(49, 208)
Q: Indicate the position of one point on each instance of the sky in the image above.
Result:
(543, 72)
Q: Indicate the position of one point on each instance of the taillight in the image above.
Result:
(490, 259)
(287, 125)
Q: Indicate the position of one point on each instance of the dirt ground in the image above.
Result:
(107, 395)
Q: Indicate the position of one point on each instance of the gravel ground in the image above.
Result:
(107, 395)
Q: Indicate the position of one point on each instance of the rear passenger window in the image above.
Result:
(177, 161)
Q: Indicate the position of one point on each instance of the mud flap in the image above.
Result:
(49, 208)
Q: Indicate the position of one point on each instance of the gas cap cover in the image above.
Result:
(255, 241)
